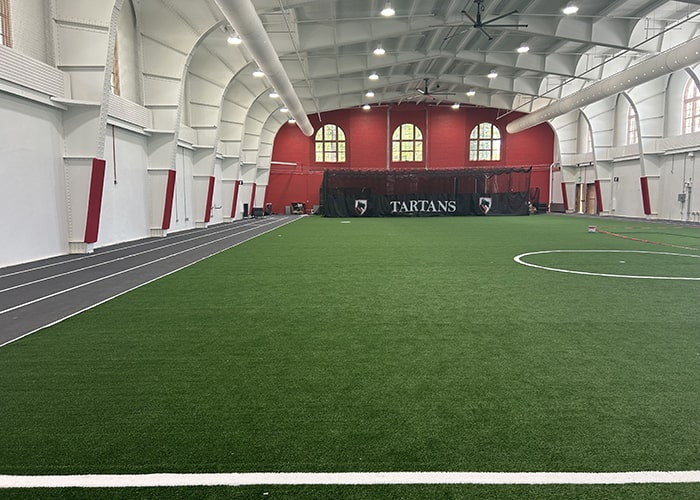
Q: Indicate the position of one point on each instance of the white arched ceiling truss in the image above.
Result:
(623, 103)
(170, 31)
(266, 139)
(326, 49)
(259, 112)
(238, 99)
(214, 65)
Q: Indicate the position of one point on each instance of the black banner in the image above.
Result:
(358, 204)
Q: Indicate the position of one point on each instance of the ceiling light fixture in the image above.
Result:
(387, 11)
(523, 48)
(379, 51)
(258, 74)
(374, 76)
(273, 95)
(291, 121)
(370, 93)
(455, 105)
(234, 39)
(366, 107)
(493, 74)
(571, 8)
(471, 93)
(284, 110)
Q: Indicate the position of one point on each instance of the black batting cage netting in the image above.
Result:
(387, 193)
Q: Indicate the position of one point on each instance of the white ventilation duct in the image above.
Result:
(666, 62)
(243, 18)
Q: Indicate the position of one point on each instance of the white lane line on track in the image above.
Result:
(66, 273)
(149, 241)
(345, 478)
(137, 286)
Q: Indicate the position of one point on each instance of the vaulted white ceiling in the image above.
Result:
(326, 48)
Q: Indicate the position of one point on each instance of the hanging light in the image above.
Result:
(571, 8)
(471, 93)
(366, 107)
(273, 95)
(493, 74)
(291, 121)
(379, 51)
(387, 11)
(234, 39)
(258, 74)
(370, 93)
(524, 48)
(284, 110)
(455, 105)
(374, 76)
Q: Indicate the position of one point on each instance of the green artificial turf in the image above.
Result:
(378, 345)
(393, 492)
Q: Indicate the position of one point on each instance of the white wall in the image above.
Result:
(626, 193)
(32, 202)
(125, 204)
(183, 201)
(677, 170)
(217, 214)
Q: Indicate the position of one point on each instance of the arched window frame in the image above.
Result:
(691, 108)
(631, 126)
(5, 31)
(485, 142)
(330, 144)
(407, 143)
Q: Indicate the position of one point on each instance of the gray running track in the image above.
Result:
(38, 294)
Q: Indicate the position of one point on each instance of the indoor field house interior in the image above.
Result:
(349, 249)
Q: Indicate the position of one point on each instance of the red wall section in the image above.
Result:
(293, 185)
(367, 139)
(368, 135)
(97, 181)
(293, 146)
(447, 138)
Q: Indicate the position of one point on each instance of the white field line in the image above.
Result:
(135, 287)
(345, 478)
(161, 247)
(519, 260)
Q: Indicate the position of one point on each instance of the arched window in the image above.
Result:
(407, 143)
(485, 143)
(691, 110)
(5, 35)
(631, 126)
(330, 144)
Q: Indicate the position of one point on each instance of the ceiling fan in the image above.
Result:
(426, 92)
(479, 24)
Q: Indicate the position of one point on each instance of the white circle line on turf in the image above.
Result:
(344, 478)
(519, 260)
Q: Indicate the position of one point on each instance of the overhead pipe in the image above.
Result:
(666, 62)
(243, 18)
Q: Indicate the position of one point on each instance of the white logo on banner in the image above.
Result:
(360, 207)
(484, 204)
